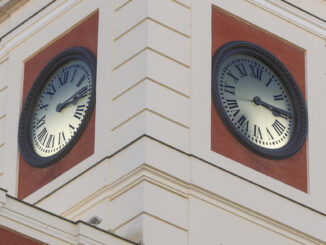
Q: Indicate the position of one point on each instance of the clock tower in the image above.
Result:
(156, 122)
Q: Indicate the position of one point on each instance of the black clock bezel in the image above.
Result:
(24, 130)
(300, 129)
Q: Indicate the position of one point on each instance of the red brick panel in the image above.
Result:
(30, 178)
(227, 28)
(8, 237)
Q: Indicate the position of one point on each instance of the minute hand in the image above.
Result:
(72, 99)
(275, 110)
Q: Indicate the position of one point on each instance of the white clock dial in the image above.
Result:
(256, 101)
(61, 107)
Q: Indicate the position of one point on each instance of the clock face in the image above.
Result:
(58, 107)
(61, 107)
(258, 100)
(242, 81)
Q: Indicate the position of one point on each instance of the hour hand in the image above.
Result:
(73, 99)
(277, 112)
(81, 94)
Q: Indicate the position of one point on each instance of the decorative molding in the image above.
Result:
(146, 173)
(45, 226)
(8, 6)
(293, 15)
(34, 25)
(3, 197)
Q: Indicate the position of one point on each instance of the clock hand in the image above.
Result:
(82, 94)
(72, 99)
(278, 112)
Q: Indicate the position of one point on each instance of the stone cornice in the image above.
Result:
(293, 15)
(47, 227)
(38, 22)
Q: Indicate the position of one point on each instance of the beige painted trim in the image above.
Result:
(293, 15)
(146, 173)
(49, 228)
(8, 6)
(33, 26)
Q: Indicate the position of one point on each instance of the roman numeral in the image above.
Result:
(243, 122)
(270, 136)
(64, 80)
(79, 111)
(232, 104)
(278, 97)
(43, 106)
(256, 73)
(40, 122)
(241, 68)
(50, 142)
(229, 89)
(278, 127)
(50, 90)
(42, 135)
(233, 76)
(81, 81)
(61, 138)
(73, 76)
(257, 132)
(236, 112)
(269, 81)
(72, 129)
